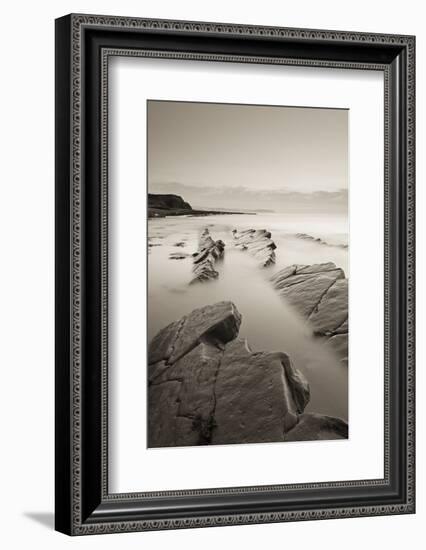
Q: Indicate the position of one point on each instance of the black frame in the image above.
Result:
(83, 44)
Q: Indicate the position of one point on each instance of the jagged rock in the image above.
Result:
(207, 387)
(217, 323)
(209, 251)
(258, 243)
(319, 292)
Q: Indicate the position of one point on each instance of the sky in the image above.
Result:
(250, 157)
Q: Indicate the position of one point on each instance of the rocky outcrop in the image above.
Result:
(209, 251)
(160, 206)
(307, 237)
(319, 292)
(167, 202)
(207, 387)
(258, 243)
(179, 255)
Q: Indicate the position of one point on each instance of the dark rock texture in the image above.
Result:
(317, 426)
(258, 243)
(167, 202)
(179, 255)
(209, 251)
(207, 387)
(160, 206)
(319, 292)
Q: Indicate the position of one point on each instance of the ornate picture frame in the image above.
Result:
(84, 45)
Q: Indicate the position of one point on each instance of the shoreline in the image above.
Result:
(164, 213)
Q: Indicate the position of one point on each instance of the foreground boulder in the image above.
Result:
(258, 243)
(209, 251)
(207, 387)
(319, 292)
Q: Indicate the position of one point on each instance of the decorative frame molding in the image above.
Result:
(83, 504)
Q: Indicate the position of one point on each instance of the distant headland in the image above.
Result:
(160, 206)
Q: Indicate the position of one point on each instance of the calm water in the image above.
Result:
(268, 322)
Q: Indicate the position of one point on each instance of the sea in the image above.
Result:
(268, 322)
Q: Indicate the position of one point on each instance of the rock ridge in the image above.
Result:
(258, 243)
(319, 292)
(209, 251)
(307, 237)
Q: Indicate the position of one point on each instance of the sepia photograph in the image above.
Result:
(217, 186)
(248, 273)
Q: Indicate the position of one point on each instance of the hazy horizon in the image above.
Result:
(284, 159)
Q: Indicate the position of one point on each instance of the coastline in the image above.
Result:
(163, 212)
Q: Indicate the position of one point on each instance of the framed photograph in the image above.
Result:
(234, 274)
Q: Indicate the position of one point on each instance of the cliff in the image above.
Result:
(160, 206)
(165, 203)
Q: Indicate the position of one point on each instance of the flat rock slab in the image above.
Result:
(307, 291)
(258, 243)
(319, 292)
(332, 310)
(207, 387)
